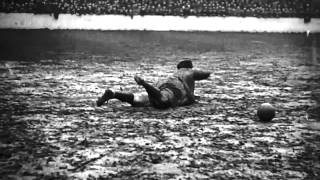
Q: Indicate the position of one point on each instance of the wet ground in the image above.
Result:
(51, 129)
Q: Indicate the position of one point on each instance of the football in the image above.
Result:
(266, 112)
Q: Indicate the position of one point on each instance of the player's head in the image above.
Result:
(185, 64)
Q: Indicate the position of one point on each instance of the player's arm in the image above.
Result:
(200, 75)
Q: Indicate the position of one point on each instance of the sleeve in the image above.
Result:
(200, 75)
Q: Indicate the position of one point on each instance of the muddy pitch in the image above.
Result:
(51, 128)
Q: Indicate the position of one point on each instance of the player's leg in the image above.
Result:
(152, 91)
(157, 98)
(141, 100)
(136, 100)
(109, 94)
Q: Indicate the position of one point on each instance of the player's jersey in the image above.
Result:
(181, 84)
(177, 90)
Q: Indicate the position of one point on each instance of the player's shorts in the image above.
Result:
(176, 91)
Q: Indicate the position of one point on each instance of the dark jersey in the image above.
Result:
(181, 84)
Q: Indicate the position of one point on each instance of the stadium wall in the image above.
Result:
(158, 23)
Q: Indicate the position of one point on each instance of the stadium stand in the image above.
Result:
(245, 8)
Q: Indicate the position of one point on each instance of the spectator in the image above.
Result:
(256, 8)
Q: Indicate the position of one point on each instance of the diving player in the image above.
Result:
(176, 90)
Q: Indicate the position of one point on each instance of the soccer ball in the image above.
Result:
(266, 112)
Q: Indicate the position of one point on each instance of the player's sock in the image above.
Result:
(124, 97)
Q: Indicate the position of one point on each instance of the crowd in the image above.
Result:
(255, 8)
